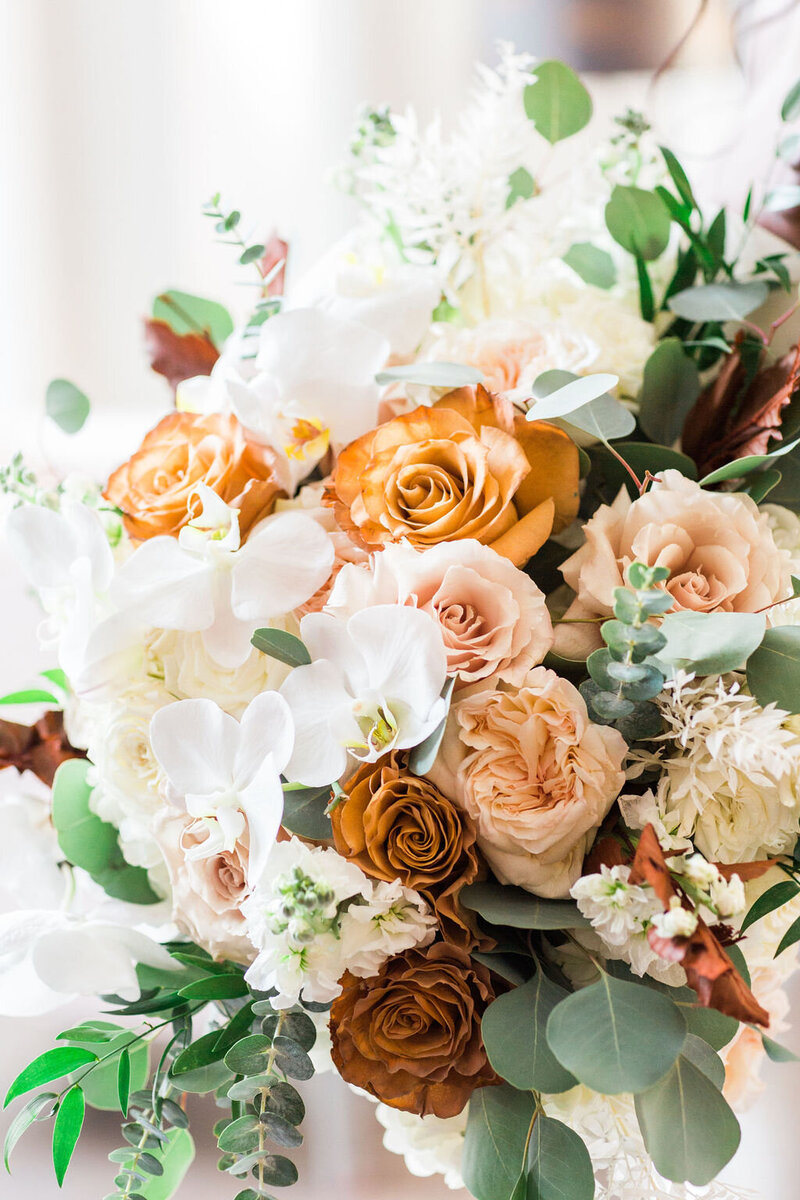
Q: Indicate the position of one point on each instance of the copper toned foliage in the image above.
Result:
(411, 1035)
(41, 747)
(178, 356)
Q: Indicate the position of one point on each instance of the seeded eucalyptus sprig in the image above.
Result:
(227, 224)
(625, 675)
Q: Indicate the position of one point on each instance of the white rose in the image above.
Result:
(190, 673)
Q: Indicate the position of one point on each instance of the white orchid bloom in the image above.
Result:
(206, 582)
(227, 772)
(374, 685)
(314, 385)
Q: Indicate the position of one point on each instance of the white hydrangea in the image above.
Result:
(621, 913)
(314, 916)
(430, 1145)
(730, 772)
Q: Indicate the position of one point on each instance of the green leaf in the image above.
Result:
(514, 1034)
(304, 811)
(774, 897)
(763, 484)
(66, 405)
(286, 1101)
(670, 388)
(710, 643)
(781, 198)
(773, 670)
(498, 1122)
(240, 1136)
(751, 462)
(53, 1064)
(639, 221)
(432, 374)
(31, 696)
(35, 1110)
(192, 314)
(295, 1025)
(604, 417)
(249, 1055)
(732, 301)
(776, 1052)
(217, 987)
(688, 1127)
(91, 843)
(175, 1155)
(790, 109)
(790, 938)
(789, 148)
(91, 1031)
(615, 1036)
(608, 474)
(205, 1079)
(66, 1130)
(281, 1131)
(200, 1053)
(595, 266)
(423, 756)
(251, 254)
(101, 1085)
(699, 1052)
(292, 1059)
(277, 643)
(124, 1080)
(521, 186)
(276, 1169)
(679, 178)
(557, 102)
(501, 905)
(566, 397)
(559, 1166)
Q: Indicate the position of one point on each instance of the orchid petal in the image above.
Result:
(317, 698)
(283, 563)
(404, 653)
(195, 743)
(165, 586)
(44, 545)
(263, 806)
(266, 728)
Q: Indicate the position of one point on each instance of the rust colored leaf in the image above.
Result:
(276, 250)
(650, 866)
(741, 412)
(178, 356)
(711, 973)
(40, 748)
(607, 851)
(746, 871)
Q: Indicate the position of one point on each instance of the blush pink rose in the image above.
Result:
(207, 893)
(718, 547)
(492, 616)
(536, 776)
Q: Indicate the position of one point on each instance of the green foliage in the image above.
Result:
(305, 811)
(639, 221)
(557, 102)
(581, 401)
(679, 178)
(688, 1127)
(521, 186)
(790, 937)
(710, 643)
(559, 1165)
(711, 1026)
(790, 109)
(616, 1036)
(102, 1085)
(193, 314)
(66, 1130)
(774, 897)
(277, 643)
(40, 1108)
(423, 756)
(53, 1064)
(512, 906)
(91, 843)
(595, 266)
(216, 987)
(514, 1034)
(432, 374)
(773, 670)
(777, 1053)
(66, 405)
(670, 387)
(751, 462)
(730, 301)
(29, 696)
(608, 474)
(496, 1140)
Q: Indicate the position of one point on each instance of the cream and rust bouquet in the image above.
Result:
(425, 700)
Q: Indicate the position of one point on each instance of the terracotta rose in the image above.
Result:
(154, 486)
(437, 475)
(411, 1034)
(395, 825)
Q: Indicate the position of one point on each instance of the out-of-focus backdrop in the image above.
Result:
(118, 119)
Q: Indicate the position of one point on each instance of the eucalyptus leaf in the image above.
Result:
(670, 387)
(277, 643)
(249, 1056)
(731, 301)
(776, 1052)
(557, 102)
(710, 1025)
(423, 756)
(773, 670)
(603, 417)
(710, 643)
(616, 1036)
(304, 811)
(240, 1136)
(66, 405)
(185, 313)
(175, 1155)
(639, 221)
(521, 186)
(432, 374)
(513, 1029)
(595, 266)
(569, 396)
(493, 1157)
(559, 1166)
(501, 905)
(699, 1052)
(688, 1127)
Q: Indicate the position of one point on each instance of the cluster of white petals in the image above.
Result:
(430, 1145)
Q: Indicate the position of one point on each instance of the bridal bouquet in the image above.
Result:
(425, 700)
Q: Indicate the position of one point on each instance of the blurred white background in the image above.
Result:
(118, 119)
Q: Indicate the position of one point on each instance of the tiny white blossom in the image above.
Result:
(676, 922)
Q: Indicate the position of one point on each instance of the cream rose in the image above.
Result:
(535, 774)
(190, 673)
(207, 893)
(492, 617)
(718, 546)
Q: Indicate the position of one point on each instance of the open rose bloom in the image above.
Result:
(422, 707)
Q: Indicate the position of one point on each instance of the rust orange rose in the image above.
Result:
(437, 475)
(153, 488)
(411, 1035)
(395, 825)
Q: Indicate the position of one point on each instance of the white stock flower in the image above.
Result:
(730, 771)
(676, 922)
(226, 773)
(430, 1145)
(313, 915)
(374, 685)
(621, 913)
(204, 581)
